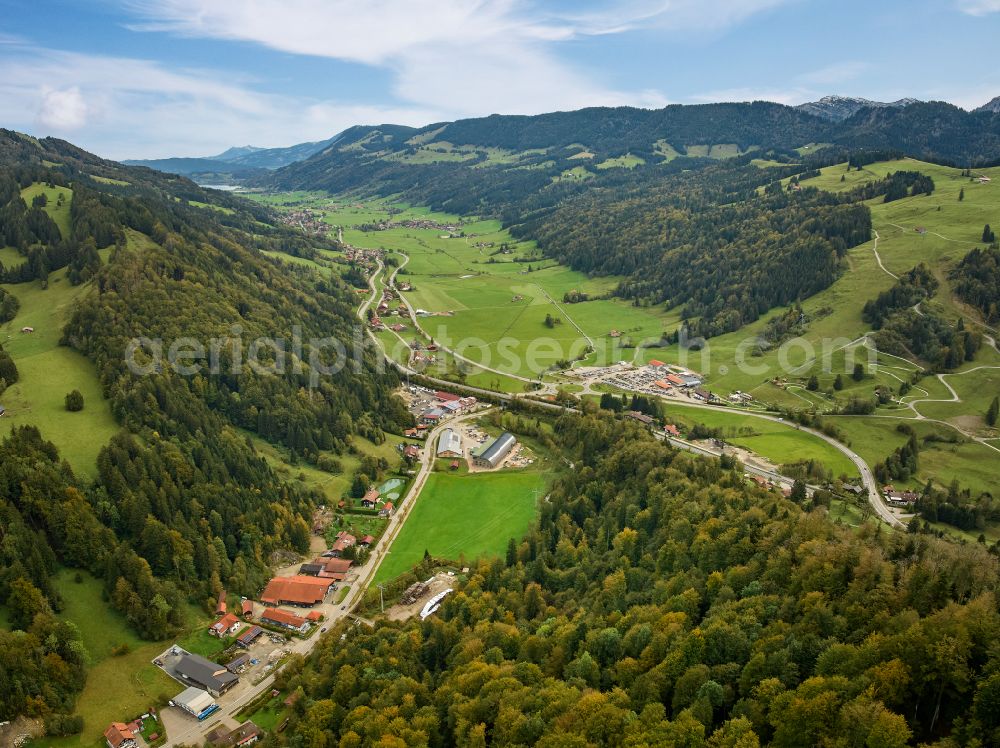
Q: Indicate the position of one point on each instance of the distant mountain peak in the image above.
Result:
(993, 105)
(839, 108)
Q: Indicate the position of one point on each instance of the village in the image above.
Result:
(257, 636)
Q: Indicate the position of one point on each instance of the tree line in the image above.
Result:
(661, 600)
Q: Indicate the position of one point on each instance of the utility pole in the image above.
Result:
(381, 597)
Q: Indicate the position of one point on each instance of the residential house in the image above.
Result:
(641, 417)
(246, 734)
(366, 540)
(370, 499)
(386, 510)
(247, 608)
(228, 624)
(119, 736)
(672, 430)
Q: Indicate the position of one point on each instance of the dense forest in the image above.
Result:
(661, 600)
(183, 506)
(707, 241)
(976, 280)
(904, 328)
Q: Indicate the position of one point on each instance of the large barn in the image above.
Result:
(496, 452)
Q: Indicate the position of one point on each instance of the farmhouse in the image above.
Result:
(298, 590)
(344, 541)
(249, 636)
(411, 452)
(204, 674)
(222, 737)
(334, 566)
(284, 619)
(370, 499)
(641, 417)
(119, 736)
(449, 444)
(228, 624)
(901, 498)
(195, 702)
(496, 452)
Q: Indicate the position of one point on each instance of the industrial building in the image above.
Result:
(300, 590)
(450, 444)
(496, 452)
(195, 702)
(204, 674)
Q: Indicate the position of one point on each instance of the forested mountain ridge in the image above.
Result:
(661, 601)
(183, 506)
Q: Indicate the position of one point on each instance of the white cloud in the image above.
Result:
(62, 109)
(133, 108)
(463, 57)
(979, 7)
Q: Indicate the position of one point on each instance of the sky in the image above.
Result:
(152, 79)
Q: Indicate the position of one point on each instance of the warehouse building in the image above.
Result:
(450, 444)
(195, 702)
(205, 674)
(496, 452)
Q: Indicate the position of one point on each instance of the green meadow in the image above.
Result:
(490, 306)
(465, 516)
(49, 371)
(780, 443)
(58, 213)
(119, 686)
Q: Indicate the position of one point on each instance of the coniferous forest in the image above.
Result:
(661, 601)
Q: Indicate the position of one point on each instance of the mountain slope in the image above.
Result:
(238, 161)
(839, 108)
(182, 506)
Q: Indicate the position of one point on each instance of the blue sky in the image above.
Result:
(146, 79)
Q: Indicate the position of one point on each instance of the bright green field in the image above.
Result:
(780, 443)
(58, 213)
(49, 371)
(464, 515)
(973, 465)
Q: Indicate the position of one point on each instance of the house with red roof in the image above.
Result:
(118, 735)
(228, 624)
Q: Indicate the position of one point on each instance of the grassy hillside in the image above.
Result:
(49, 371)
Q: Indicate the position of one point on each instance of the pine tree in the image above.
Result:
(988, 236)
(859, 372)
(961, 194)
(838, 382)
(992, 412)
(813, 383)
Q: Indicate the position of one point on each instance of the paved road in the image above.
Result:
(185, 730)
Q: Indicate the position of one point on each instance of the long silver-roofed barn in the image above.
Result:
(495, 453)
